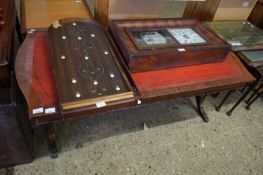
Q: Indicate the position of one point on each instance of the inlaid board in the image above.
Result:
(164, 43)
(85, 66)
(241, 35)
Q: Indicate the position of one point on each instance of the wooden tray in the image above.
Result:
(164, 43)
(84, 65)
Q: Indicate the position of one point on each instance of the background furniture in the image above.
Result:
(256, 16)
(243, 37)
(40, 14)
(106, 10)
(218, 10)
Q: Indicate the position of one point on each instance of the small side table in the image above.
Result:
(253, 60)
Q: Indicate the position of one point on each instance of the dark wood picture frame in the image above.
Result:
(165, 56)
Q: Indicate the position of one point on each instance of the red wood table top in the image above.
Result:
(192, 80)
(35, 78)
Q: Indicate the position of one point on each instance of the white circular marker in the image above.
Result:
(112, 75)
(78, 95)
(64, 37)
(92, 35)
(118, 88)
(86, 57)
(106, 53)
(79, 38)
(74, 81)
(95, 83)
(63, 57)
(74, 24)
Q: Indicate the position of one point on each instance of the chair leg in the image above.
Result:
(243, 89)
(223, 101)
(250, 88)
(255, 97)
(251, 97)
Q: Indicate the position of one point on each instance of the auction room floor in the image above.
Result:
(177, 142)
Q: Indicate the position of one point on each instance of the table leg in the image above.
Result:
(200, 108)
(250, 88)
(223, 101)
(52, 140)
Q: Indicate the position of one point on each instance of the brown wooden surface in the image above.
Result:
(218, 10)
(215, 49)
(102, 11)
(39, 14)
(234, 10)
(256, 16)
(204, 10)
(88, 69)
(7, 31)
(106, 10)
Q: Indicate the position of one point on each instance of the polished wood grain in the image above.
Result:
(7, 32)
(39, 14)
(84, 65)
(153, 58)
(256, 16)
(102, 11)
(203, 10)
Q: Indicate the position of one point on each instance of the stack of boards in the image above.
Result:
(85, 67)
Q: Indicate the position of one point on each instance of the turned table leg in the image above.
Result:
(200, 108)
(52, 140)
